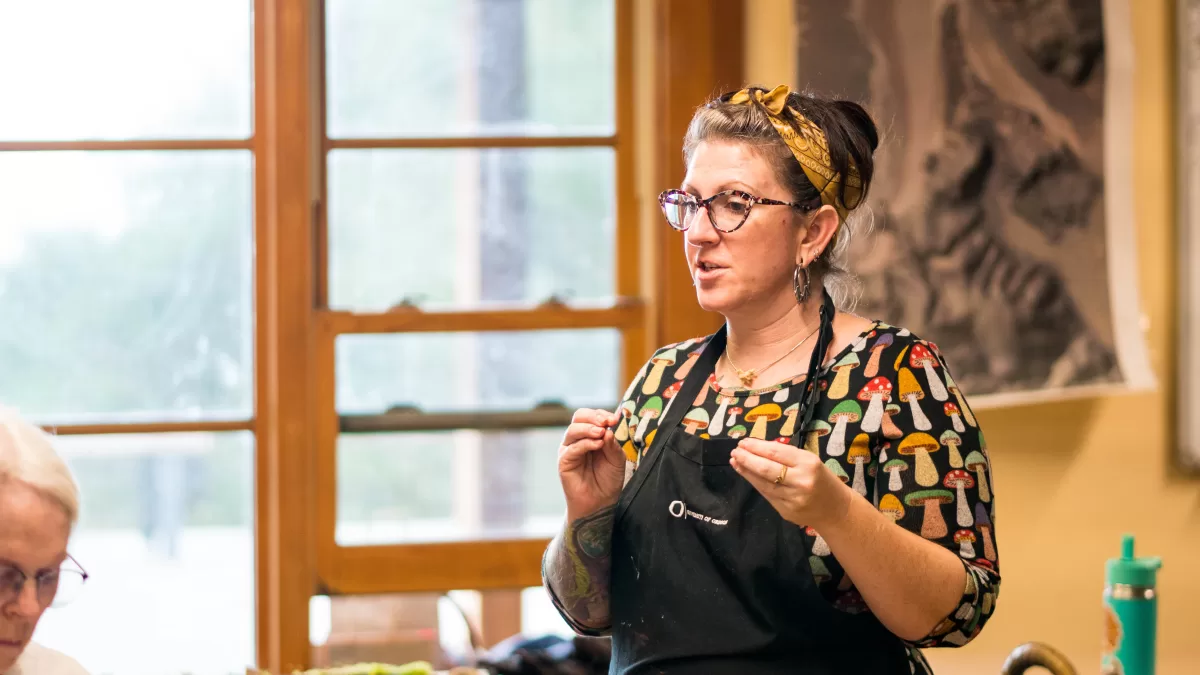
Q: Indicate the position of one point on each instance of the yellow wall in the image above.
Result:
(1072, 477)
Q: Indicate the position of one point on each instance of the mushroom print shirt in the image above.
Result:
(891, 422)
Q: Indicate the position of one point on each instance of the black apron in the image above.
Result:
(708, 578)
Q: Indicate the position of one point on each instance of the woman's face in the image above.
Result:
(33, 539)
(750, 268)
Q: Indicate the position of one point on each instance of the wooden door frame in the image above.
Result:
(284, 303)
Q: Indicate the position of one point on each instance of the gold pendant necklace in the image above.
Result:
(747, 376)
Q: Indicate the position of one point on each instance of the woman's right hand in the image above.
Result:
(591, 465)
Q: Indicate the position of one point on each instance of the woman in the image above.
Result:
(39, 503)
(805, 491)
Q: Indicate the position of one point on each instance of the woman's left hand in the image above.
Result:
(809, 494)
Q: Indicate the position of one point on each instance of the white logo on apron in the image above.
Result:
(680, 510)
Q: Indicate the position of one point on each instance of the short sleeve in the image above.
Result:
(934, 478)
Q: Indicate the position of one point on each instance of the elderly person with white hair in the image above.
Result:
(39, 504)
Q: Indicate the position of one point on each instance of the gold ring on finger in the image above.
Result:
(782, 475)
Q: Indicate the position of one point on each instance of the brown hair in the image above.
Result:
(852, 137)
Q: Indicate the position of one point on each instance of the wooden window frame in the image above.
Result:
(489, 564)
(294, 420)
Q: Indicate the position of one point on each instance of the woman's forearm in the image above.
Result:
(911, 584)
(578, 566)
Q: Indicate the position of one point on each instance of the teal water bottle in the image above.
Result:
(1130, 612)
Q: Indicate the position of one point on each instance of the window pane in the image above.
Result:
(125, 69)
(448, 486)
(539, 617)
(491, 226)
(125, 284)
(473, 371)
(397, 628)
(469, 67)
(393, 628)
(166, 535)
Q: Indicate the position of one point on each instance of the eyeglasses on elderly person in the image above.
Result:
(51, 587)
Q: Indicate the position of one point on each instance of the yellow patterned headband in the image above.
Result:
(810, 147)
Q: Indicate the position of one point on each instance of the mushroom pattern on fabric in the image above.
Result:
(977, 463)
(952, 386)
(891, 507)
(933, 525)
(668, 395)
(628, 408)
(921, 357)
(760, 416)
(881, 343)
(919, 445)
(959, 481)
(638, 381)
(966, 542)
(894, 467)
(952, 411)
(696, 419)
(734, 411)
(836, 467)
(912, 393)
(819, 547)
(682, 371)
(661, 360)
(718, 418)
(846, 413)
(876, 393)
(860, 456)
(952, 440)
(651, 410)
(812, 441)
(790, 413)
(702, 397)
(861, 343)
(622, 433)
(983, 523)
(890, 430)
(947, 450)
(841, 382)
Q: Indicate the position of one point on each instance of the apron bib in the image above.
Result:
(708, 578)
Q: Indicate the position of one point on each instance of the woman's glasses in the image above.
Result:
(727, 211)
(52, 587)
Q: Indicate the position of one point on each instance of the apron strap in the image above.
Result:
(668, 425)
(812, 392)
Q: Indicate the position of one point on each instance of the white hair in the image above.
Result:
(27, 455)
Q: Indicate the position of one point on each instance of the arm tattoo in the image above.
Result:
(579, 566)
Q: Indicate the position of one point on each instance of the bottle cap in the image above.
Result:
(1130, 570)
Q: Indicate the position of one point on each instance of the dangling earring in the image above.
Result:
(801, 290)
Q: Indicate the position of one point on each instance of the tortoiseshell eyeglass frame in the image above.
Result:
(686, 198)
